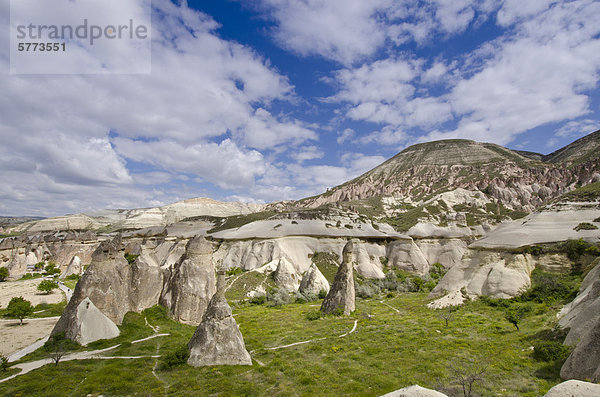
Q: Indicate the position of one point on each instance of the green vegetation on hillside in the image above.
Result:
(236, 221)
(586, 193)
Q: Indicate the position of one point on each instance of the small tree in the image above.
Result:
(51, 269)
(46, 286)
(58, 345)
(515, 313)
(19, 308)
(447, 314)
(3, 362)
(3, 273)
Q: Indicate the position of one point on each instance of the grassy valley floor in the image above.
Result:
(389, 349)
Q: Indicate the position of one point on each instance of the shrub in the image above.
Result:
(156, 312)
(131, 258)
(39, 266)
(322, 294)
(418, 284)
(366, 290)
(550, 351)
(175, 358)
(258, 300)
(575, 248)
(51, 269)
(58, 345)
(46, 286)
(312, 316)
(304, 298)
(585, 226)
(3, 362)
(437, 271)
(73, 277)
(278, 297)
(550, 288)
(234, 271)
(516, 312)
(3, 273)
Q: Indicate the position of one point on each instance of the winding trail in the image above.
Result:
(303, 342)
(390, 306)
(94, 354)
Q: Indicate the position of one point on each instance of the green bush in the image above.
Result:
(156, 313)
(3, 362)
(312, 316)
(51, 269)
(544, 350)
(175, 358)
(19, 308)
(131, 258)
(234, 271)
(322, 294)
(3, 273)
(46, 286)
(258, 300)
(585, 226)
(278, 297)
(73, 277)
(550, 288)
(575, 248)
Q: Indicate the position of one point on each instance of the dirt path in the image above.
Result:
(16, 337)
(94, 354)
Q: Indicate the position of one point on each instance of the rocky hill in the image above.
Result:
(518, 181)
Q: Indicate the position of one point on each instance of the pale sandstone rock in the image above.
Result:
(341, 296)
(285, 276)
(191, 283)
(574, 388)
(414, 391)
(90, 325)
(405, 255)
(218, 340)
(313, 281)
(584, 361)
(74, 267)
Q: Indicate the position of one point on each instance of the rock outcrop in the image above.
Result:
(341, 296)
(285, 276)
(218, 340)
(74, 267)
(414, 391)
(313, 282)
(191, 283)
(584, 361)
(574, 388)
(88, 324)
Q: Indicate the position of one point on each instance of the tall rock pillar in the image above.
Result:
(341, 295)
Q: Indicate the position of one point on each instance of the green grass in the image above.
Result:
(246, 281)
(589, 192)
(327, 263)
(389, 350)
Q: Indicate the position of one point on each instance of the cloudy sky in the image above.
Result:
(267, 100)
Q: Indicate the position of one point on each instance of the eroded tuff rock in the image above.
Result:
(218, 340)
(88, 324)
(583, 312)
(285, 276)
(75, 267)
(499, 275)
(341, 296)
(584, 362)
(146, 282)
(415, 391)
(313, 281)
(574, 388)
(191, 282)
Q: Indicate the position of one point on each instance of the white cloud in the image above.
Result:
(345, 135)
(307, 153)
(578, 128)
(202, 111)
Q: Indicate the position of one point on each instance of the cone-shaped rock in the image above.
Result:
(89, 324)
(341, 295)
(218, 340)
(285, 276)
(73, 268)
(313, 281)
(191, 283)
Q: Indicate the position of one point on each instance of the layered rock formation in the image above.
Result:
(191, 283)
(218, 340)
(341, 296)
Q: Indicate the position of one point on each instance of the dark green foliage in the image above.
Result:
(156, 313)
(544, 350)
(258, 300)
(175, 358)
(575, 248)
(39, 266)
(587, 193)
(46, 286)
(131, 258)
(3, 362)
(322, 294)
(313, 315)
(516, 312)
(597, 219)
(585, 226)
(73, 277)
(19, 308)
(234, 271)
(419, 284)
(549, 288)
(437, 271)
(535, 250)
(51, 269)
(3, 273)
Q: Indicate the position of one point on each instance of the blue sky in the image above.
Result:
(268, 100)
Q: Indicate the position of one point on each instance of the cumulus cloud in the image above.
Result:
(203, 110)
